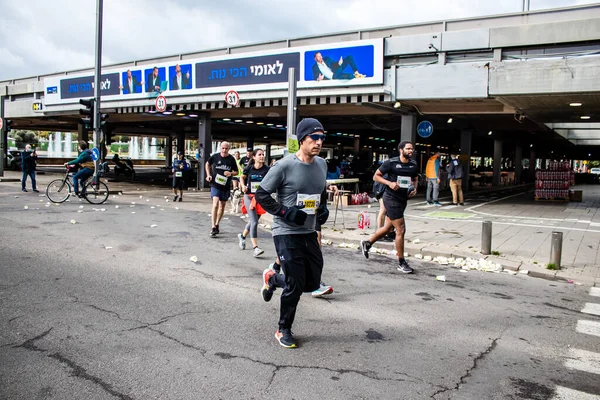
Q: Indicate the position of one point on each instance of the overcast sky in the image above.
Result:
(45, 36)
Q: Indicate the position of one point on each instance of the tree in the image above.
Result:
(25, 137)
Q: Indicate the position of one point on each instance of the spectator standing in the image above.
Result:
(28, 160)
(432, 172)
(455, 174)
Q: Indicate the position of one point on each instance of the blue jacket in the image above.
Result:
(177, 162)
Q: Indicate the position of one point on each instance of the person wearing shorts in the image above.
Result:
(180, 166)
(299, 180)
(401, 184)
(220, 168)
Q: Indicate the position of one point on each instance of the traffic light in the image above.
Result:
(88, 113)
(103, 122)
(8, 125)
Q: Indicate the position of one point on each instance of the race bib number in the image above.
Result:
(178, 174)
(221, 180)
(309, 201)
(404, 181)
(254, 186)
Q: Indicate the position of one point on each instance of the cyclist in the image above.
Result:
(86, 163)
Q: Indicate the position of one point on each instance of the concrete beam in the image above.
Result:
(554, 32)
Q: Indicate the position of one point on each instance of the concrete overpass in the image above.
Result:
(507, 82)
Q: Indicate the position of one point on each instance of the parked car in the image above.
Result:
(595, 171)
(14, 160)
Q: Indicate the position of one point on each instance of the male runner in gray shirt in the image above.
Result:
(299, 181)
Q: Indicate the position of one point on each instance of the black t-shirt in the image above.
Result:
(400, 172)
(219, 165)
(244, 161)
(254, 177)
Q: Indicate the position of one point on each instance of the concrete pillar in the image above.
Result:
(465, 151)
(181, 142)
(204, 148)
(268, 154)
(3, 140)
(82, 133)
(169, 151)
(250, 143)
(408, 128)
(518, 163)
(497, 162)
(356, 145)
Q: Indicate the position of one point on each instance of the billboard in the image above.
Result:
(339, 64)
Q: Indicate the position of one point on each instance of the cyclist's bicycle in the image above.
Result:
(93, 189)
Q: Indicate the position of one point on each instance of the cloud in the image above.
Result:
(41, 36)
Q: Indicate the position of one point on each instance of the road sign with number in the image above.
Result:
(232, 98)
(161, 103)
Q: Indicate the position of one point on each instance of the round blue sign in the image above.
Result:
(425, 129)
(95, 153)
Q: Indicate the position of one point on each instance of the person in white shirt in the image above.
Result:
(130, 84)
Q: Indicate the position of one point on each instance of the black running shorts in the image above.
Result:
(394, 207)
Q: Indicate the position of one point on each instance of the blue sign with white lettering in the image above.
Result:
(246, 71)
(52, 90)
(84, 86)
(95, 153)
(425, 129)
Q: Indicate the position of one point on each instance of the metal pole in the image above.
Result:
(486, 237)
(556, 249)
(3, 137)
(291, 111)
(97, 88)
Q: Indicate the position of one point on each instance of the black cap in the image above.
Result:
(180, 153)
(308, 126)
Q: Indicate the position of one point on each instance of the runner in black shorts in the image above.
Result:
(402, 173)
(299, 181)
(180, 166)
(220, 168)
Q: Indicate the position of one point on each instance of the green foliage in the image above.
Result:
(593, 164)
(24, 137)
(495, 253)
(552, 266)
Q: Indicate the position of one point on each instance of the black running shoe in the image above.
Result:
(217, 228)
(404, 267)
(285, 338)
(213, 232)
(180, 199)
(365, 245)
(175, 198)
(267, 290)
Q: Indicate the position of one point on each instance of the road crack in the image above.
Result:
(468, 372)
(76, 370)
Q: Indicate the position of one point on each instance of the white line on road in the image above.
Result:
(583, 360)
(563, 393)
(591, 308)
(595, 291)
(588, 327)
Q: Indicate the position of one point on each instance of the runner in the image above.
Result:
(220, 167)
(299, 181)
(402, 174)
(180, 166)
(253, 174)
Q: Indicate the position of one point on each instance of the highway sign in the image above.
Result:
(161, 103)
(425, 129)
(232, 98)
(95, 153)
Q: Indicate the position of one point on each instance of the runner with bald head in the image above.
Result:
(220, 168)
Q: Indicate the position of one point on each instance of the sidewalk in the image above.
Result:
(521, 233)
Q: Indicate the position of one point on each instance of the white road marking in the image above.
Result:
(588, 327)
(591, 308)
(595, 291)
(583, 360)
(563, 393)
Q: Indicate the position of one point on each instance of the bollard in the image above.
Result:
(486, 237)
(556, 249)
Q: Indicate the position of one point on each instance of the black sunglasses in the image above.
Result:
(317, 136)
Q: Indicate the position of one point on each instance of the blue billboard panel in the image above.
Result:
(84, 86)
(132, 82)
(246, 71)
(343, 63)
(180, 77)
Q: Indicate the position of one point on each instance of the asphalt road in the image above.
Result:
(112, 307)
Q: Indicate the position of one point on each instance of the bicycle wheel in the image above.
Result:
(59, 190)
(96, 194)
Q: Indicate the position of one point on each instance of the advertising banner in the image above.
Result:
(339, 64)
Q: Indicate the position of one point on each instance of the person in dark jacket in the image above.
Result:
(28, 159)
(180, 166)
(85, 161)
(455, 174)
